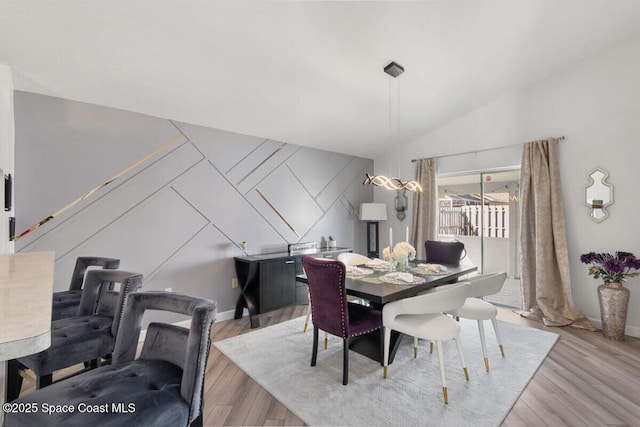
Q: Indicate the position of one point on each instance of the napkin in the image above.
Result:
(377, 262)
(434, 268)
(405, 277)
(352, 269)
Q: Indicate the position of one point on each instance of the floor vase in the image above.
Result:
(614, 303)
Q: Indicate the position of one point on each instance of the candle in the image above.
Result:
(407, 235)
(390, 238)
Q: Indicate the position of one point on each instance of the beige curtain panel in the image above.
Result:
(425, 206)
(546, 282)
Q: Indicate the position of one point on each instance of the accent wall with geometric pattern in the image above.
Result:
(179, 216)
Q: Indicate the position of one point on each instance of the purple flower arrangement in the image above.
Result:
(612, 268)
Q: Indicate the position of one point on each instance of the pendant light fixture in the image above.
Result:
(392, 183)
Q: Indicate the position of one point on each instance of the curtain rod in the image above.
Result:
(560, 138)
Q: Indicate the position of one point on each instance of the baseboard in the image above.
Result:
(632, 331)
(229, 314)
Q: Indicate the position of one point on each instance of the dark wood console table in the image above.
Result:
(268, 281)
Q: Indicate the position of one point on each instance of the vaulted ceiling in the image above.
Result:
(308, 72)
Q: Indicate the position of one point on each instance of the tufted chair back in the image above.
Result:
(99, 296)
(65, 303)
(82, 265)
(186, 348)
(328, 295)
(449, 253)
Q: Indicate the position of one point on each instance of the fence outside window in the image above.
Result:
(465, 220)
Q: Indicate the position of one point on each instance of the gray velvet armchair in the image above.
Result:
(66, 303)
(164, 386)
(86, 338)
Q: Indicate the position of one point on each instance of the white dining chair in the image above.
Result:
(422, 317)
(475, 308)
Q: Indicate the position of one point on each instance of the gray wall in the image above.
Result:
(178, 217)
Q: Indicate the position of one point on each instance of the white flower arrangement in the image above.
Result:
(400, 251)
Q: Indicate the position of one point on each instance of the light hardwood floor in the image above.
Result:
(586, 380)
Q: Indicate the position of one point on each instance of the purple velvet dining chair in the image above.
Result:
(450, 253)
(331, 311)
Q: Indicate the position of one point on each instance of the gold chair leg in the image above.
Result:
(486, 363)
(430, 347)
(466, 373)
(305, 327)
(384, 373)
(501, 350)
(326, 340)
(446, 397)
(415, 352)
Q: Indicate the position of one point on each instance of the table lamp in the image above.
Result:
(372, 213)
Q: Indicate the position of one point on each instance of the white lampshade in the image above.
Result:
(373, 212)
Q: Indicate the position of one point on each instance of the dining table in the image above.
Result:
(26, 286)
(377, 286)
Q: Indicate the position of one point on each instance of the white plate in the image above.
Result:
(430, 269)
(395, 281)
(360, 271)
(378, 265)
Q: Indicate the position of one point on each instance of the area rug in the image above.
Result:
(278, 358)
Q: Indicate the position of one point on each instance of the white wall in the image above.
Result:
(6, 165)
(6, 150)
(596, 106)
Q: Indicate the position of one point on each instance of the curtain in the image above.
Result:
(425, 206)
(546, 282)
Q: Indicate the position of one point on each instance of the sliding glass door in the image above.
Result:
(481, 209)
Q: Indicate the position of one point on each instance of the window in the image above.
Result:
(482, 211)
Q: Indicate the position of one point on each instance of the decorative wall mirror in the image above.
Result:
(598, 194)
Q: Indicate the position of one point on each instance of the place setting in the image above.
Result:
(378, 264)
(401, 278)
(356, 271)
(430, 269)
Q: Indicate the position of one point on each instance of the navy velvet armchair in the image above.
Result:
(89, 337)
(66, 303)
(164, 386)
